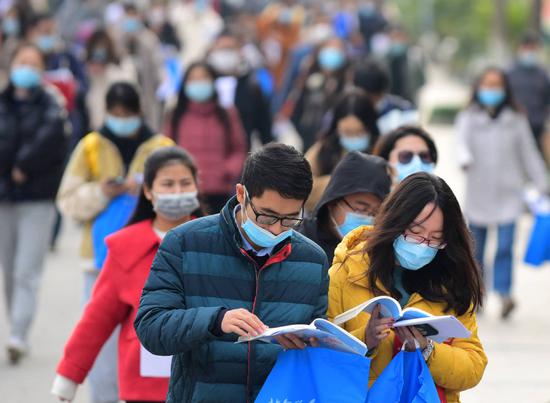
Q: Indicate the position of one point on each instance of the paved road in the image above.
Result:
(518, 350)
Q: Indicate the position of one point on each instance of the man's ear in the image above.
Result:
(239, 190)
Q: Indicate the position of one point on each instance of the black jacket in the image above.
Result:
(33, 138)
(253, 109)
(356, 173)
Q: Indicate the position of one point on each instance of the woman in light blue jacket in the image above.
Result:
(497, 151)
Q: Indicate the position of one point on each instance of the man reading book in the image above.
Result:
(235, 274)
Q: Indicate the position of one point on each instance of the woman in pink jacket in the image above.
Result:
(212, 134)
(168, 198)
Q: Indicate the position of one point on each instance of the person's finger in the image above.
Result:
(242, 324)
(298, 343)
(283, 342)
(416, 334)
(314, 342)
(237, 330)
(253, 321)
(381, 328)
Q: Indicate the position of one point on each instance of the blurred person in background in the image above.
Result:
(197, 25)
(157, 20)
(393, 111)
(352, 128)
(405, 64)
(104, 165)
(104, 67)
(530, 85)
(408, 149)
(63, 69)
(499, 156)
(167, 199)
(211, 133)
(317, 89)
(33, 147)
(237, 86)
(142, 46)
(14, 24)
(279, 30)
(357, 187)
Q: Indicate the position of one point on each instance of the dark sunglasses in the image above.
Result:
(404, 157)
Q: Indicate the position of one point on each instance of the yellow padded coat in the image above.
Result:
(94, 159)
(455, 367)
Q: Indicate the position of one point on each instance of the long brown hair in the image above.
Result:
(453, 277)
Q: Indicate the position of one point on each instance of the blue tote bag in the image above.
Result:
(406, 379)
(109, 221)
(317, 375)
(538, 248)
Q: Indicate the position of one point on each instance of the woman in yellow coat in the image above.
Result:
(420, 253)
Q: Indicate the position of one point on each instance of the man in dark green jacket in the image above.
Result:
(231, 274)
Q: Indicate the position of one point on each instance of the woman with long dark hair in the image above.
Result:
(168, 198)
(212, 134)
(352, 128)
(419, 252)
(499, 156)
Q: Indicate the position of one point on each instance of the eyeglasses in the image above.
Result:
(417, 239)
(365, 210)
(266, 219)
(404, 157)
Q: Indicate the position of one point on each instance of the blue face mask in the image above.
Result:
(416, 165)
(356, 143)
(132, 25)
(259, 236)
(200, 90)
(528, 59)
(25, 77)
(123, 127)
(412, 256)
(11, 27)
(352, 221)
(490, 97)
(331, 58)
(46, 43)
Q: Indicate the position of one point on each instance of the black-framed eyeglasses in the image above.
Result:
(267, 219)
(405, 156)
(364, 211)
(417, 239)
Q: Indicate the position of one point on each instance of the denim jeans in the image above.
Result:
(502, 266)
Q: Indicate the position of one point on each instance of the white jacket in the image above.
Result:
(500, 158)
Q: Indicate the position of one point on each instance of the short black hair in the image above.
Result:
(530, 39)
(372, 77)
(280, 168)
(123, 94)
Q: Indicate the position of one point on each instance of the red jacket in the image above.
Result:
(219, 155)
(115, 300)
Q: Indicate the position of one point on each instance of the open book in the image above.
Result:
(329, 336)
(437, 328)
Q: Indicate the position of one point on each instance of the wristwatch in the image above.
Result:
(428, 350)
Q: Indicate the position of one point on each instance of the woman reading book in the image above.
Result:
(420, 253)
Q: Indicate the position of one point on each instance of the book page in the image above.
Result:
(154, 366)
(389, 308)
(444, 327)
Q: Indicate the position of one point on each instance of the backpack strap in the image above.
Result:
(91, 153)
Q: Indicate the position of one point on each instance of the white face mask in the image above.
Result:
(225, 61)
(175, 206)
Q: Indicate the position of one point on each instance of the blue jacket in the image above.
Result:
(202, 268)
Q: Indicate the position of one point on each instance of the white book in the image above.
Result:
(437, 328)
(329, 336)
